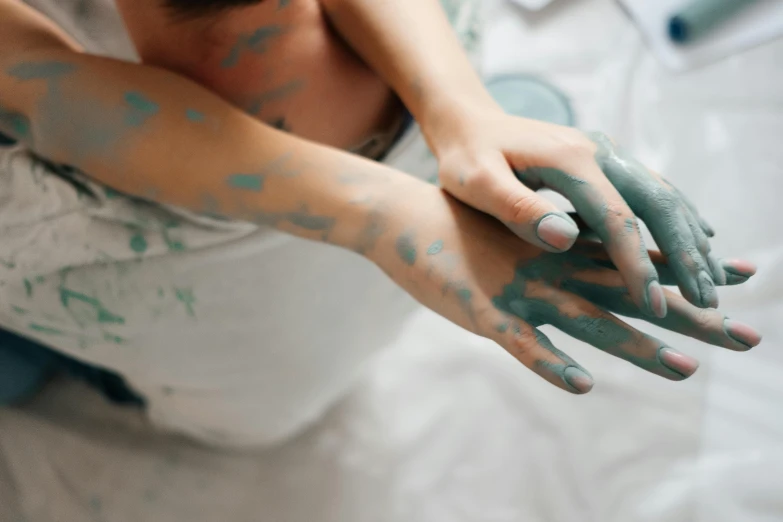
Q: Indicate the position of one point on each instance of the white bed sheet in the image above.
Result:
(447, 428)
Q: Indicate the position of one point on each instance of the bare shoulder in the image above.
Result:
(23, 28)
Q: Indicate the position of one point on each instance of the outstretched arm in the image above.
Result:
(151, 133)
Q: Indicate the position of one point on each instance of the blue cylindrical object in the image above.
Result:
(700, 17)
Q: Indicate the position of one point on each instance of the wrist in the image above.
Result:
(448, 119)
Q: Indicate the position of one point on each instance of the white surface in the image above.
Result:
(759, 23)
(446, 428)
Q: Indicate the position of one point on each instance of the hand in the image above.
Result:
(470, 269)
(485, 154)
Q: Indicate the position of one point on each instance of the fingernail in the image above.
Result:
(578, 379)
(718, 273)
(707, 228)
(656, 300)
(557, 231)
(678, 362)
(739, 267)
(742, 333)
(709, 297)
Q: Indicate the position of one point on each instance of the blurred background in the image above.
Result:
(448, 428)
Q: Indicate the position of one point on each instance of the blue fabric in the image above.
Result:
(25, 366)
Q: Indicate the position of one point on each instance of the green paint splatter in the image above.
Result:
(19, 310)
(41, 70)
(464, 295)
(310, 222)
(45, 329)
(10, 265)
(28, 287)
(186, 297)
(102, 315)
(435, 248)
(40, 279)
(138, 243)
(194, 115)
(256, 42)
(173, 244)
(116, 339)
(252, 182)
(140, 109)
(406, 248)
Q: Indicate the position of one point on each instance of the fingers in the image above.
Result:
(583, 320)
(605, 212)
(534, 349)
(669, 219)
(707, 325)
(738, 271)
(735, 271)
(494, 189)
(703, 224)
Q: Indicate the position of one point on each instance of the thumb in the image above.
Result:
(495, 190)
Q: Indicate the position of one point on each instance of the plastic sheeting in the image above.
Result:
(447, 428)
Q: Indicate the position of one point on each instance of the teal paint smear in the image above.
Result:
(110, 193)
(252, 182)
(41, 70)
(28, 287)
(406, 248)
(435, 248)
(138, 243)
(68, 297)
(186, 297)
(256, 42)
(45, 329)
(277, 93)
(174, 244)
(140, 109)
(14, 124)
(76, 121)
(112, 338)
(194, 115)
(10, 265)
(502, 328)
(40, 279)
(310, 222)
(19, 310)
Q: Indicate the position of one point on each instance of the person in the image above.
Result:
(201, 222)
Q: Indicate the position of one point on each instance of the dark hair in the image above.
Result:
(193, 8)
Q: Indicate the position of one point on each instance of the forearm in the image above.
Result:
(411, 44)
(153, 134)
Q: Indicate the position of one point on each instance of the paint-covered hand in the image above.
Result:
(472, 270)
(484, 157)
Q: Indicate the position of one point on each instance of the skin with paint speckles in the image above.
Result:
(14, 124)
(252, 182)
(257, 104)
(70, 119)
(406, 248)
(435, 248)
(256, 42)
(673, 221)
(140, 109)
(195, 116)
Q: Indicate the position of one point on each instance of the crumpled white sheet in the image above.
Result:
(447, 428)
